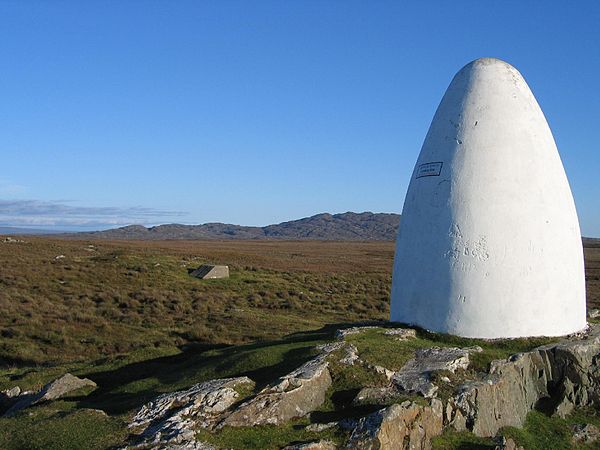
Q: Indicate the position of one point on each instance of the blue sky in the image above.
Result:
(256, 112)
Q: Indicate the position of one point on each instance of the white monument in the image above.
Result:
(489, 244)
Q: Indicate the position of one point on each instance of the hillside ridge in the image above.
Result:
(365, 226)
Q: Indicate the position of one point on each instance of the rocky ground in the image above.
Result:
(371, 387)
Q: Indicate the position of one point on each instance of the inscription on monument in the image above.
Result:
(432, 169)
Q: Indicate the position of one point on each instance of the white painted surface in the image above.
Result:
(489, 243)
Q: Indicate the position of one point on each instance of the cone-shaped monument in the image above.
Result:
(489, 243)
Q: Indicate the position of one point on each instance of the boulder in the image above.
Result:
(12, 392)
(62, 386)
(171, 418)
(51, 391)
(294, 395)
(399, 426)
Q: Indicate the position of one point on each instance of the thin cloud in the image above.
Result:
(9, 188)
(41, 213)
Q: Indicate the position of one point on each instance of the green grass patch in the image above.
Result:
(268, 437)
(541, 432)
(60, 427)
(451, 440)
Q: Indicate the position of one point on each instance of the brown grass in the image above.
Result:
(70, 300)
(592, 276)
(109, 298)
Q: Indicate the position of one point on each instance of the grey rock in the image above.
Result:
(563, 375)
(387, 373)
(12, 392)
(342, 333)
(350, 356)
(294, 395)
(318, 427)
(585, 433)
(414, 376)
(8, 398)
(331, 347)
(61, 386)
(51, 391)
(405, 425)
(314, 445)
(454, 418)
(401, 334)
(170, 419)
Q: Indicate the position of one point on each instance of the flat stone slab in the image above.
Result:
(208, 272)
(414, 376)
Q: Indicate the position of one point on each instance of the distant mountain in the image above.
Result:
(351, 226)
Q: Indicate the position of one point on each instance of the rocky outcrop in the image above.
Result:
(555, 378)
(294, 395)
(51, 391)
(170, 419)
(405, 425)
